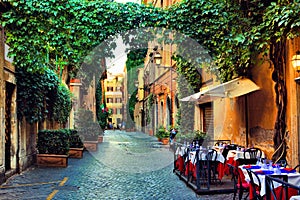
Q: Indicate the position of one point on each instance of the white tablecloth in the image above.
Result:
(202, 156)
(202, 153)
(297, 197)
(293, 178)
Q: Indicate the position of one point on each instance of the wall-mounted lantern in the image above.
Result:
(296, 61)
(157, 58)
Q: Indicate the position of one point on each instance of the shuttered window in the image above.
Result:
(208, 119)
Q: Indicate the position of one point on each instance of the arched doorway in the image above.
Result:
(169, 112)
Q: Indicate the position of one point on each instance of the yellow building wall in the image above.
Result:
(258, 108)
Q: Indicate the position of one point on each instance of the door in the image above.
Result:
(8, 130)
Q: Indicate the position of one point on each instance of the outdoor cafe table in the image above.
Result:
(293, 176)
(180, 152)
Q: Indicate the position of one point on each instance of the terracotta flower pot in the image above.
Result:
(165, 141)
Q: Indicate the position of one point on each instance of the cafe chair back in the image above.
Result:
(297, 168)
(276, 193)
(212, 165)
(255, 186)
(240, 186)
(251, 155)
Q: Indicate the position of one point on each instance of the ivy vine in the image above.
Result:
(40, 96)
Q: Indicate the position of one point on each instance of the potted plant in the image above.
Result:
(100, 136)
(76, 144)
(53, 148)
(199, 136)
(90, 136)
(165, 137)
(87, 129)
(162, 134)
(159, 132)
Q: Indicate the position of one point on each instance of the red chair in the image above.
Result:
(240, 185)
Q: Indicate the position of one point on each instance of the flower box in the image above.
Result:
(52, 160)
(76, 152)
(100, 138)
(91, 145)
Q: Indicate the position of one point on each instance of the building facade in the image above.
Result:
(113, 87)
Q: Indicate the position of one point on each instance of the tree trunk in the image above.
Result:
(278, 57)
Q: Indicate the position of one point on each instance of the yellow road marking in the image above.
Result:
(52, 194)
(63, 181)
(55, 191)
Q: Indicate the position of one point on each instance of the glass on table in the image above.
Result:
(277, 169)
(271, 165)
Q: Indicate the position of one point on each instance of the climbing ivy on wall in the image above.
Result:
(135, 60)
(40, 96)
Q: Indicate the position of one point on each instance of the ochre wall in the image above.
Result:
(262, 109)
(230, 114)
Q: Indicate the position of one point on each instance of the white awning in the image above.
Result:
(230, 89)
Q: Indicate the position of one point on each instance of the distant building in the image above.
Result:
(113, 87)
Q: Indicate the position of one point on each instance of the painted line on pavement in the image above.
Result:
(27, 185)
(53, 193)
(63, 181)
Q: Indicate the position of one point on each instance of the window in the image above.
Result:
(118, 89)
(118, 100)
(119, 110)
(109, 100)
(110, 89)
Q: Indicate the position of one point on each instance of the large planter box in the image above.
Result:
(100, 138)
(91, 145)
(52, 160)
(76, 152)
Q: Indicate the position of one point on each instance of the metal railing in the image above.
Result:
(278, 188)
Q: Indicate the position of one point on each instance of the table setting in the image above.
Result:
(262, 169)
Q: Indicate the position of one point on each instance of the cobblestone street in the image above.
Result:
(127, 165)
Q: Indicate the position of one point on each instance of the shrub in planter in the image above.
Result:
(199, 136)
(53, 148)
(90, 132)
(53, 142)
(75, 140)
(87, 128)
(76, 144)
